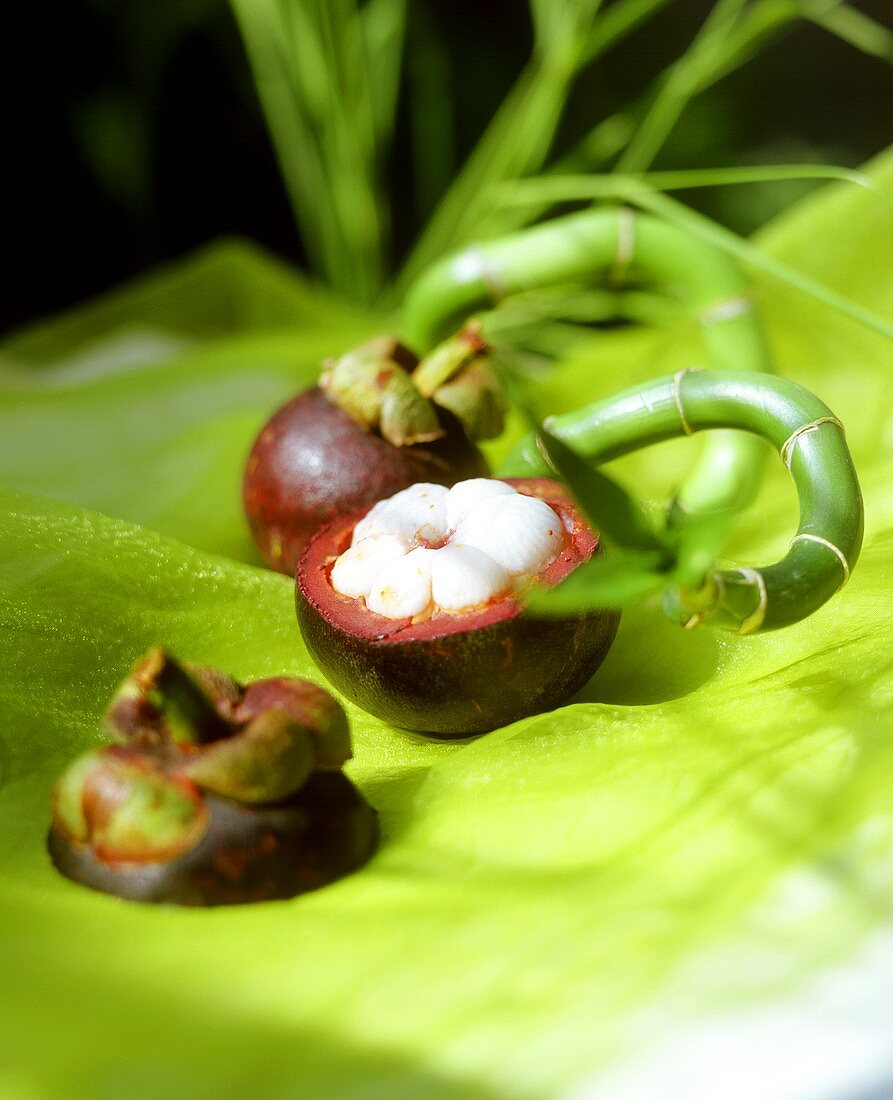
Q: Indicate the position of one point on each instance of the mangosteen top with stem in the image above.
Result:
(810, 441)
(212, 793)
(614, 244)
(378, 422)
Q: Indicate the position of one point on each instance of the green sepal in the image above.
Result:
(68, 796)
(406, 416)
(127, 811)
(141, 814)
(457, 377)
(448, 358)
(475, 397)
(163, 699)
(372, 385)
(355, 382)
(266, 761)
(326, 721)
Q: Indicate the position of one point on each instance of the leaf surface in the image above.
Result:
(566, 905)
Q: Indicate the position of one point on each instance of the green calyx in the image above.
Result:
(383, 388)
(267, 761)
(458, 377)
(406, 417)
(256, 745)
(372, 386)
(128, 810)
(165, 702)
(324, 719)
(449, 358)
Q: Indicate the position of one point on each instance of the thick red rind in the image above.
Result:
(453, 675)
(249, 853)
(312, 462)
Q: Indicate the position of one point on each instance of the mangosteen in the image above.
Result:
(214, 793)
(378, 422)
(414, 609)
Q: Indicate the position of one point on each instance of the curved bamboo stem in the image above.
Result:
(810, 441)
(614, 244)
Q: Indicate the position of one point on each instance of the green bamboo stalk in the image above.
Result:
(610, 244)
(810, 441)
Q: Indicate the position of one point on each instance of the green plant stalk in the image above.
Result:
(310, 68)
(612, 243)
(760, 25)
(533, 108)
(641, 192)
(809, 439)
(680, 86)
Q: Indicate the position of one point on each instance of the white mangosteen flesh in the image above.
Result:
(429, 548)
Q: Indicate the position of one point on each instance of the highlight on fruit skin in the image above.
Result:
(212, 793)
(414, 609)
(378, 421)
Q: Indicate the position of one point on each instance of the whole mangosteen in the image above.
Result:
(378, 422)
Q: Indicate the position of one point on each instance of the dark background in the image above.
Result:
(135, 133)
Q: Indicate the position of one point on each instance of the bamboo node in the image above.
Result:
(838, 553)
(701, 609)
(787, 448)
(754, 620)
(677, 398)
(727, 309)
(626, 244)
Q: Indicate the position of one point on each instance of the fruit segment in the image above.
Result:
(429, 549)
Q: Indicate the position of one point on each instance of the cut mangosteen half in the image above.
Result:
(414, 609)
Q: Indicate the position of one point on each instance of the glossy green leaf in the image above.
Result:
(605, 503)
(672, 879)
(144, 405)
(627, 577)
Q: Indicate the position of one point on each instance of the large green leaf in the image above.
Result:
(145, 403)
(570, 903)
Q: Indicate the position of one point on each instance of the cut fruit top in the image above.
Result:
(430, 549)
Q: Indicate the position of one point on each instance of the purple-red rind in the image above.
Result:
(248, 853)
(312, 462)
(459, 675)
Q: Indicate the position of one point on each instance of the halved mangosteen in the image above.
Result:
(414, 609)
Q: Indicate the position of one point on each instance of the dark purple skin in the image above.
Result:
(313, 462)
(248, 854)
(496, 666)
